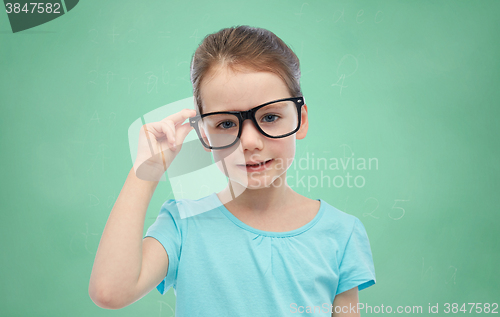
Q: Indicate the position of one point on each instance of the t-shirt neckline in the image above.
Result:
(283, 234)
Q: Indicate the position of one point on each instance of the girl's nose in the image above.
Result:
(251, 137)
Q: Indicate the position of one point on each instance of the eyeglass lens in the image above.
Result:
(275, 119)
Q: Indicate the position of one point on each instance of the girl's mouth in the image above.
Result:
(256, 167)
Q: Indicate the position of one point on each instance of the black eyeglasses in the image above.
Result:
(274, 119)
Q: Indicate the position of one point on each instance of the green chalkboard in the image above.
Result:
(403, 104)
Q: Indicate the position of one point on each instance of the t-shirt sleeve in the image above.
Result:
(166, 229)
(356, 267)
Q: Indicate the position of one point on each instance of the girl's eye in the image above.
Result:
(270, 118)
(226, 124)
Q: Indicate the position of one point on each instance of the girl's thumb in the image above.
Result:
(182, 132)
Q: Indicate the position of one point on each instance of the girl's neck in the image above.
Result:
(262, 200)
(275, 209)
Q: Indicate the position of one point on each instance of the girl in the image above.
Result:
(259, 248)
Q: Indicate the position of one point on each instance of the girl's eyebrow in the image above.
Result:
(232, 109)
(254, 106)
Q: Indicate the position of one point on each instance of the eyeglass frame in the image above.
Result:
(248, 114)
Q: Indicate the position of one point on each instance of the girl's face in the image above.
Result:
(225, 90)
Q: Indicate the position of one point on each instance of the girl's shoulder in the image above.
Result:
(331, 217)
(184, 208)
(336, 218)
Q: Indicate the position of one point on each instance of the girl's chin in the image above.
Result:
(255, 182)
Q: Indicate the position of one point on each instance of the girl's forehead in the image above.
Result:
(238, 91)
(241, 106)
(213, 107)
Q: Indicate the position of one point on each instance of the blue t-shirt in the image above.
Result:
(220, 266)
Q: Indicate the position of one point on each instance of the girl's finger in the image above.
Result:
(153, 128)
(169, 131)
(183, 131)
(173, 128)
(181, 116)
(152, 134)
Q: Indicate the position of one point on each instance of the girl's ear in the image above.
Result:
(304, 123)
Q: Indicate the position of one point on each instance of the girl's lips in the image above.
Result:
(258, 168)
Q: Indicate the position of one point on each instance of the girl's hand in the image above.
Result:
(159, 143)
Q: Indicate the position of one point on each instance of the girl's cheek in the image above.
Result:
(231, 157)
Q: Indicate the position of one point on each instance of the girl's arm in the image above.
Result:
(125, 267)
(345, 300)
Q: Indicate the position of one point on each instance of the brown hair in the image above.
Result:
(245, 47)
